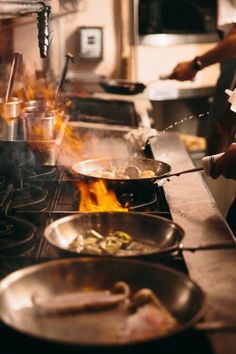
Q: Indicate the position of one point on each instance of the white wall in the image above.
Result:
(92, 13)
(153, 61)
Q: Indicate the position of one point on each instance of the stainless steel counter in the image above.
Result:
(165, 93)
(194, 208)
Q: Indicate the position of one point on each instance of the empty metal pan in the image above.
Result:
(180, 295)
(120, 234)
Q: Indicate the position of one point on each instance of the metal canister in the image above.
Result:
(9, 118)
(35, 106)
(38, 126)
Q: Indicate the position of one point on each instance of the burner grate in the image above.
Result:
(16, 236)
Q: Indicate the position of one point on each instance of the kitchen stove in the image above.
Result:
(50, 193)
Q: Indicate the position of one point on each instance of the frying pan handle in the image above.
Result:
(168, 175)
(207, 247)
(216, 326)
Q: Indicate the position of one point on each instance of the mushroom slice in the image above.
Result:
(147, 174)
(132, 171)
(81, 301)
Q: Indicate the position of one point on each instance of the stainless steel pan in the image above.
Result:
(85, 170)
(155, 235)
(181, 296)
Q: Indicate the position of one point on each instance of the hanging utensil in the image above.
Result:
(69, 57)
(21, 73)
(11, 81)
(43, 29)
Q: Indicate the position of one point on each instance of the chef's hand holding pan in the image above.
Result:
(183, 71)
(225, 164)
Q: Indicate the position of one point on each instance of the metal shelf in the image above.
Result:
(11, 9)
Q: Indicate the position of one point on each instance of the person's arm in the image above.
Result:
(226, 165)
(224, 50)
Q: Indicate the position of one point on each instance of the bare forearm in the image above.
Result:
(226, 49)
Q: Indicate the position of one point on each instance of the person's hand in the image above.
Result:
(226, 165)
(183, 71)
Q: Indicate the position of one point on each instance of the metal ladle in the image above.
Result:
(11, 81)
(69, 57)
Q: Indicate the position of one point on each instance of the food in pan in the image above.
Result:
(150, 317)
(115, 243)
(122, 172)
(142, 313)
(81, 301)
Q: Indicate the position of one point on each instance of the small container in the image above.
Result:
(35, 106)
(38, 126)
(9, 118)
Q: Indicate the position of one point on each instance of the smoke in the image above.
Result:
(15, 158)
(91, 145)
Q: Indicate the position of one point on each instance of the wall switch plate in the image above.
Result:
(91, 43)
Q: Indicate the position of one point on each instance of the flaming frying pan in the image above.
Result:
(87, 170)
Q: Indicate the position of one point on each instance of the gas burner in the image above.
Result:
(2, 183)
(16, 236)
(43, 174)
(6, 228)
(144, 200)
(29, 197)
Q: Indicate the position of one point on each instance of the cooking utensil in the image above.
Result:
(14, 67)
(69, 57)
(86, 169)
(155, 234)
(9, 118)
(21, 73)
(177, 174)
(181, 296)
(38, 126)
(124, 87)
(18, 153)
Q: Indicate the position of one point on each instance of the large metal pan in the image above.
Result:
(85, 170)
(181, 296)
(154, 235)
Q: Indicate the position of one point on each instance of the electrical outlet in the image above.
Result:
(91, 43)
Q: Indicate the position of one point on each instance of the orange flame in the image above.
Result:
(95, 196)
